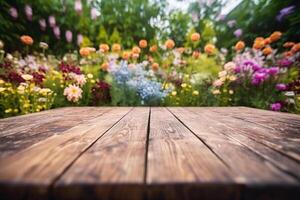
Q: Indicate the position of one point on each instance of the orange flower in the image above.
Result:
(288, 54)
(26, 39)
(240, 45)
(267, 51)
(143, 44)
(288, 44)
(296, 48)
(126, 55)
(275, 36)
(153, 48)
(259, 39)
(85, 51)
(170, 44)
(136, 50)
(196, 54)
(155, 66)
(267, 41)
(104, 66)
(195, 37)
(209, 49)
(258, 45)
(104, 48)
(116, 47)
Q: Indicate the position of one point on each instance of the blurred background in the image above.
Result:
(67, 24)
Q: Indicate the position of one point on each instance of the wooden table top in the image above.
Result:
(150, 153)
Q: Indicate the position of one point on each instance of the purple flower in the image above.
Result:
(238, 33)
(43, 24)
(94, 13)
(69, 36)
(285, 62)
(275, 106)
(56, 31)
(250, 65)
(273, 71)
(52, 21)
(258, 78)
(13, 12)
(222, 17)
(79, 39)
(285, 12)
(231, 23)
(281, 87)
(78, 6)
(28, 12)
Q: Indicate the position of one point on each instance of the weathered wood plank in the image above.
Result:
(41, 164)
(250, 167)
(40, 130)
(114, 167)
(176, 156)
(280, 141)
(286, 124)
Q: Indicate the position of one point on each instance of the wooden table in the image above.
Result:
(150, 153)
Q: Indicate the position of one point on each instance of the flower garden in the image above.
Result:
(261, 73)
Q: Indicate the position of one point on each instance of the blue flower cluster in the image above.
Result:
(137, 78)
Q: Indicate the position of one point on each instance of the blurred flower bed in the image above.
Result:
(156, 74)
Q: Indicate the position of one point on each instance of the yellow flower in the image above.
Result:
(174, 93)
(90, 76)
(27, 77)
(183, 85)
(9, 110)
(93, 81)
(231, 92)
(195, 93)
(2, 81)
(232, 78)
(16, 110)
(21, 89)
(216, 92)
(44, 91)
(2, 89)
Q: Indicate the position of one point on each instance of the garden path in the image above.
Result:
(150, 153)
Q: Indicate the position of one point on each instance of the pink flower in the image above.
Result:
(276, 106)
(281, 87)
(52, 21)
(43, 24)
(94, 13)
(238, 33)
(13, 12)
(231, 23)
(28, 12)
(79, 39)
(218, 83)
(56, 31)
(78, 6)
(69, 36)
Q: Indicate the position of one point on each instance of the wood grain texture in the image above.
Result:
(251, 168)
(175, 155)
(112, 153)
(26, 135)
(116, 159)
(40, 164)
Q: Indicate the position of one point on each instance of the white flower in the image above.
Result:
(1, 44)
(229, 66)
(27, 77)
(44, 45)
(73, 93)
(222, 73)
